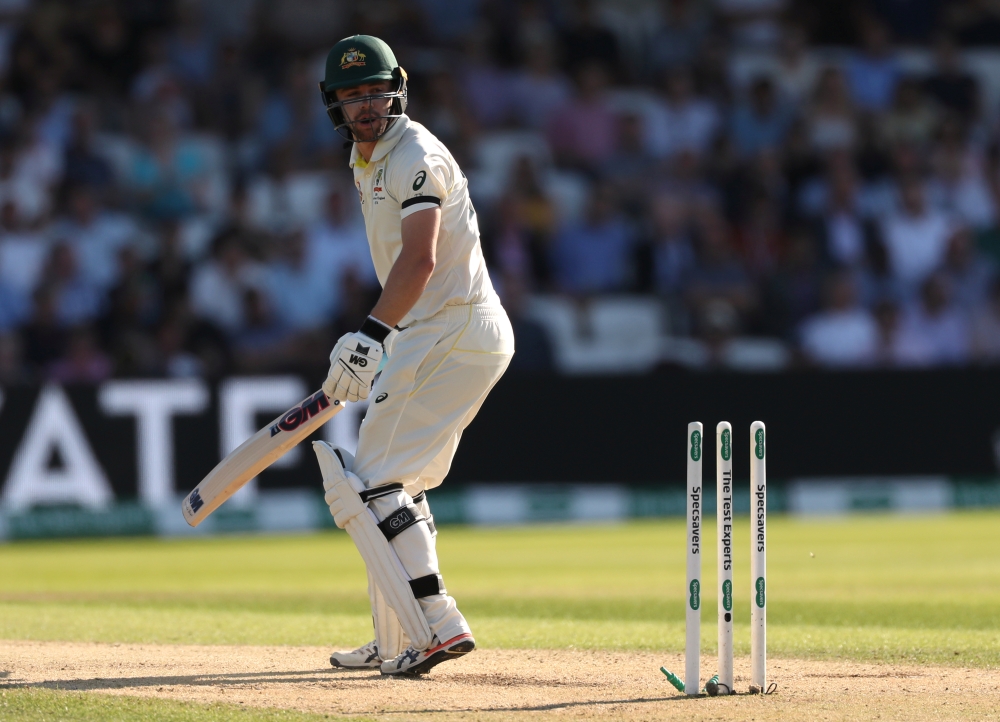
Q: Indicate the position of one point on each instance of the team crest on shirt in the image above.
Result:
(352, 59)
(361, 195)
(378, 181)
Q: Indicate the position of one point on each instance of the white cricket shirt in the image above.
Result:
(410, 170)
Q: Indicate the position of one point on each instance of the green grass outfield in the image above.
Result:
(894, 588)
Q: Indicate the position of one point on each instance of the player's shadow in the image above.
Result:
(193, 680)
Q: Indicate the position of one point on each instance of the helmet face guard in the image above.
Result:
(339, 118)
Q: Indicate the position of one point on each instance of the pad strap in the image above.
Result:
(428, 586)
(379, 491)
(400, 520)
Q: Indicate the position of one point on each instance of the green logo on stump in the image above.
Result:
(758, 448)
(695, 599)
(759, 596)
(727, 445)
(695, 445)
(727, 595)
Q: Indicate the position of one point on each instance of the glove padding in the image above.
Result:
(353, 364)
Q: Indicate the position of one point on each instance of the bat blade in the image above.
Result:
(256, 454)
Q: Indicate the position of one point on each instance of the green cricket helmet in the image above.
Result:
(356, 60)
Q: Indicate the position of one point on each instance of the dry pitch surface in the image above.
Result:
(501, 684)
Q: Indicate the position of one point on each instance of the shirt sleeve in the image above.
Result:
(422, 184)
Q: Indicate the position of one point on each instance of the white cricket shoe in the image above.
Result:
(364, 657)
(412, 662)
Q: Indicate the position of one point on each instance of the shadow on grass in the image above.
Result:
(191, 680)
(340, 678)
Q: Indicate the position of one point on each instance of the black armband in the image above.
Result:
(375, 329)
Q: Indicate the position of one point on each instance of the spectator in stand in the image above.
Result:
(986, 328)
(14, 306)
(532, 339)
(291, 116)
(673, 250)
(935, 321)
(77, 298)
(446, 115)
(172, 357)
(96, 235)
(20, 186)
(108, 48)
(760, 236)
(676, 41)
(585, 41)
(262, 343)
(843, 334)
(525, 227)
(846, 234)
(538, 89)
(44, 335)
(796, 71)
(831, 117)
(680, 121)
(911, 120)
(895, 349)
(12, 365)
(631, 167)
(916, 237)
(793, 292)
(976, 23)
(337, 240)
(303, 287)
(509, 249)
(156, 85)
(133, 307)
(910, 21)
(170, 268)
(582, 133)
(664, 264)
(718, 273)
(487, 88)
(594, 255)
(23, 252)
(873, 73)
(761, 121)
(167, 176)
(219, 285)
(84, 165)
(968, 272)
(84, 361)
(958, 186)
(753, 22)
(951, 85)
(190, 50)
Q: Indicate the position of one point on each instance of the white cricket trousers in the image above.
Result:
(434, 382)
(438, 373)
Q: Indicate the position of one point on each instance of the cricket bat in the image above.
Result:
(256, 454)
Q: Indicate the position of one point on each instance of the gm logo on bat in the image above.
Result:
(296, 416)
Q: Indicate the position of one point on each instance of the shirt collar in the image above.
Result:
(385, 144)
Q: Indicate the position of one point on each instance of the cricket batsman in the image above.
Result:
(446, 341)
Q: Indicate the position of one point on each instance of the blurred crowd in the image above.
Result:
(174, 200)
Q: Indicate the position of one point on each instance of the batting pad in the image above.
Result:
(382, 562)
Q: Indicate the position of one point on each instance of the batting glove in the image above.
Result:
(354, 362)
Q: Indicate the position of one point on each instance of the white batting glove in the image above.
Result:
(354, 362)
